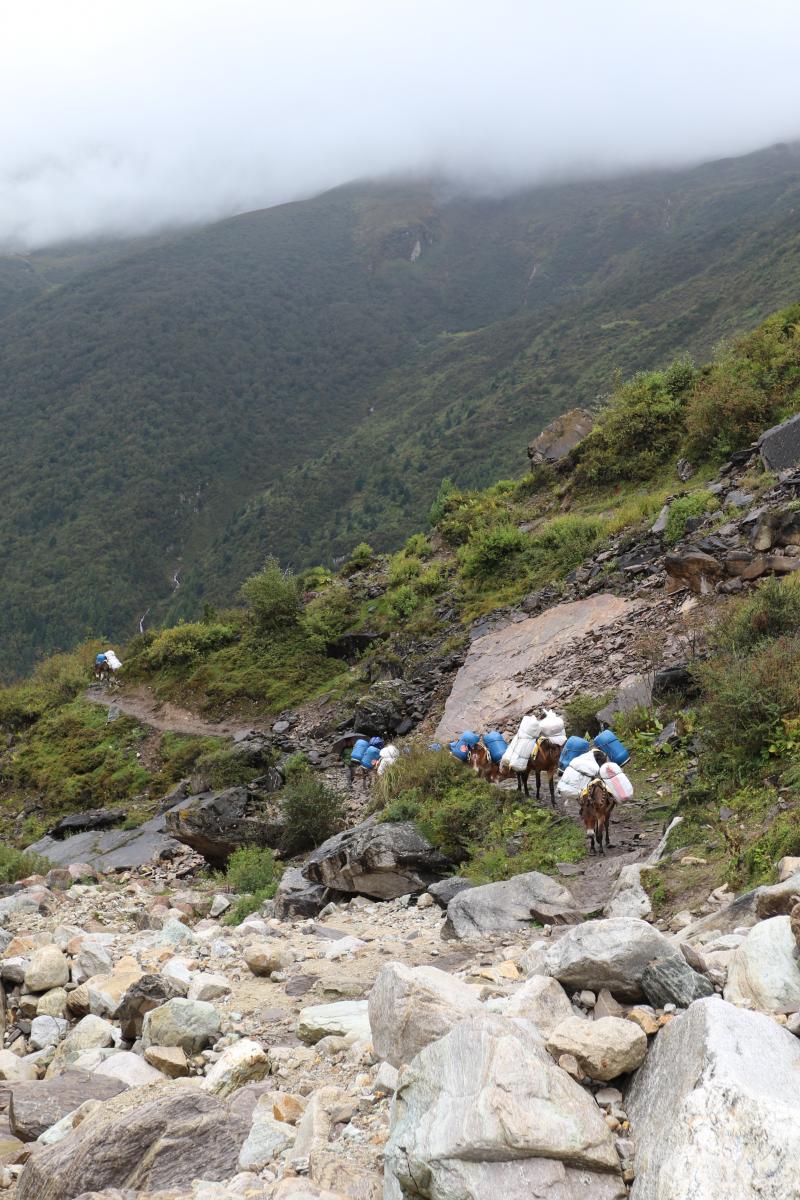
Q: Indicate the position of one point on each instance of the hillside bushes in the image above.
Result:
(186, 643)
(272, 596)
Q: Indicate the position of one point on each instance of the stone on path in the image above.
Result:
(412, 1006)
(628, 898)
(190, 1024)
(604, 1049)
(611, 953)
(511, 905)
(244, 1062)
(345, 1018)
(485, 1112)
(716, 1108)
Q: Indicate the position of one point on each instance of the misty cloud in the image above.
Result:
(129, 117)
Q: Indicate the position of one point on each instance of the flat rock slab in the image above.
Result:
(121, 848)
(37, 1105)
(492, 686)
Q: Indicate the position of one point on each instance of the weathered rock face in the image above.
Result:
(81, 822)
(763, 972)
(698, 571)
(485, 1112)
(492, 688)
(36, 1106)
(628, 897)
(217, 823)
(409, 1007)
(560, 436)
(510, 905)
(385, 708)
(674, 981)
(299, 897)
(780, 446)
(148, 992)
(604, 1049)
(148, 1139)
(383, 860)
(609, 954)
(717, 1080)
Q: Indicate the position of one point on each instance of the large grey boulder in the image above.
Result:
(343, 1018)
(444, 890)
(611, 953)
(541, 1000)
(485, 1112)
(674, 981)
(779, 898)
(716, 1108)
(764, 972)
(409, 1007)
(149, 1139)
(779, 446)
(379, 859)
(605, 1048)
(217, 823)
(148, 992)
(190, 1024)
(510, 905)
(299, 897)
(37, 1105)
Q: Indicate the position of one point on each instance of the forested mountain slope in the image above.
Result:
(295, 378)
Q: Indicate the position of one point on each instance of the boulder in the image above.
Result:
(716, 1108)
(611, 953)
(510, 905)
(693, 569)
(92, 959)
(244, 1062)
(412, 1006)
(444, 890)
(345, 1018)
(386, 707)
(674, 981)
(46, 1031)
(787, 867)
(763, 972)
(267, 1139)
(148, 992)
(541, 1000)
(91, 1033)
(14, 1069)
(148, 1139)
(265, 957)
(50, 1004)
(169, 1060)
(37, 1105)
(129, 1068)
(485, 1112)
(217, 823)
(779, 446)
(628, 898)
(299, 897)
(206, 986)
(560, 436)
(779, 899)
(48, 968)
(105, 992)
(190, 1024)
(604, 1049)
(379, 859)
(82, 822)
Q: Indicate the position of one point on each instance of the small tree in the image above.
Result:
(272, 597)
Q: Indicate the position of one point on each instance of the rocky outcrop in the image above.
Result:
(217, 823)
(510, 905)
(37, 1105)
(409, 1007)
(83, 822)
(151, 1138)
(715, 1108)
(380, 859)
(560, 436)
(692, 568)
(779, 446)
(485, 1112)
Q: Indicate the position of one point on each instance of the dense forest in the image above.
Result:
(293, 380)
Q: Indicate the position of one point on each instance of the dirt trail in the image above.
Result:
(140, 703)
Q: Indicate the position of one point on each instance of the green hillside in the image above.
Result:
(294, 379)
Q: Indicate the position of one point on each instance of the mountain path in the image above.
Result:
(141, 704)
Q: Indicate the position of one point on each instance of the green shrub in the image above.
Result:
(641, 427)
(224, 768)
(447, 489)
(769, 612)
(579, 714)
(329, 614)
(187, 643)
(55, 682)
(492, 553)
(432, 581)
(253, 873)
(272, 597)
(403, 601)
(696, 504)
(563, 543)
(361, 557)
(403, 569)
(311, 813)
(418, 546)
(19, 864)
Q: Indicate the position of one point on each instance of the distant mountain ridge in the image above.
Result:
(295, 379)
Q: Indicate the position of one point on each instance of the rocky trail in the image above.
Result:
(140, 703)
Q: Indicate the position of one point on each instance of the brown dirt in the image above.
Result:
(140, 703)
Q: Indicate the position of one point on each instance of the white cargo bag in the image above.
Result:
(387, 756)
(577, 775)
(112, 660)
(617, 781)
(552, 727)
(529, 727)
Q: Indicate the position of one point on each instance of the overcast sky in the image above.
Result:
(132, 114)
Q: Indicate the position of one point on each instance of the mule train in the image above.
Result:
(592, 776)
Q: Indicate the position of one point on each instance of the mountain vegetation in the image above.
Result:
(299, 380)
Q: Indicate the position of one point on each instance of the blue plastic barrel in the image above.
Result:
(573, 746)
(460, 750)
(371, 756)
(357, 753)
(612, 747)
(470, 738)
(496, 744)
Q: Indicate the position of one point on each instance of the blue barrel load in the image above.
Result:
(371, 756)
(496, 744)
(357, 753)
(612, 747)
(573, 746)
(461, 747)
